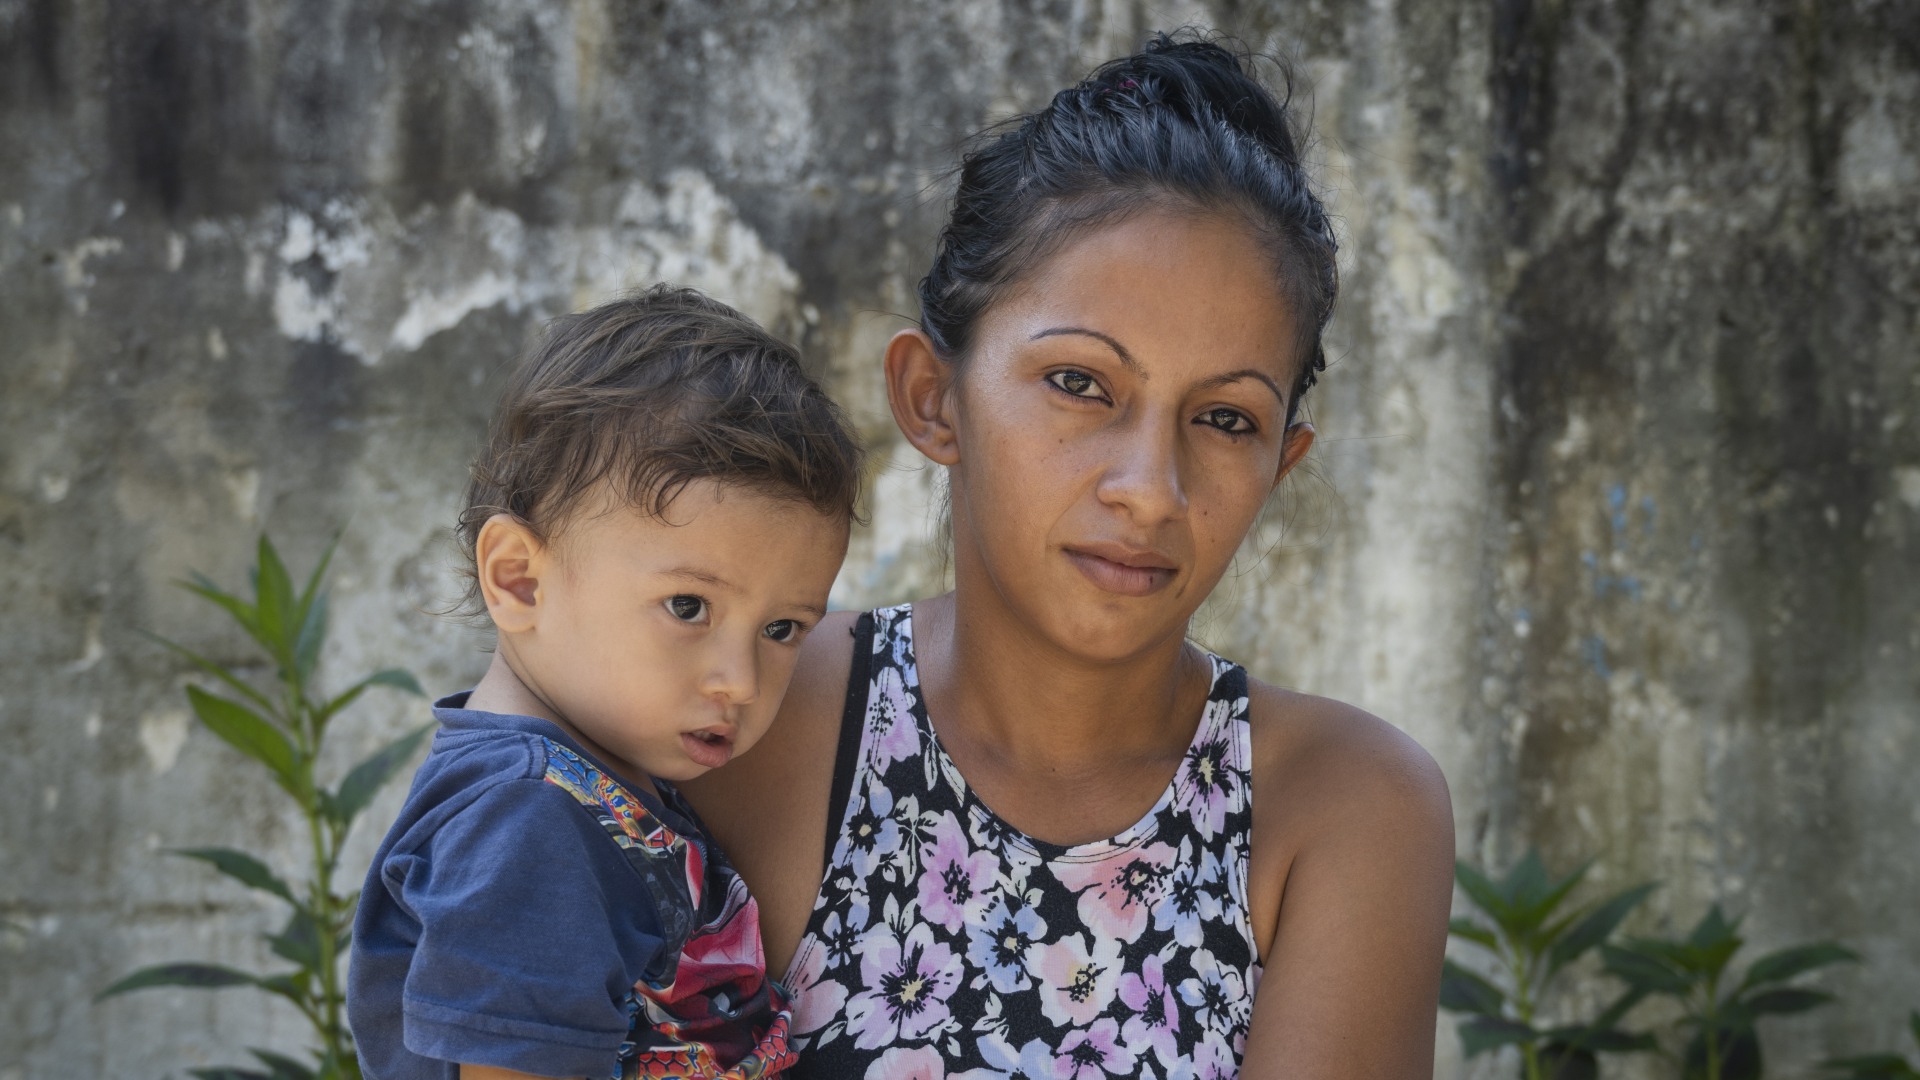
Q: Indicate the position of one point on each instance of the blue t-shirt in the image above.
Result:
(528, 910)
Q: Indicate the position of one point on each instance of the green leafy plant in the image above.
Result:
(1881, 1066)
(1720, 1012)
(283, 727)
(1531, 939)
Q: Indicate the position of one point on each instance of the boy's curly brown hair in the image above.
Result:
(653, 392)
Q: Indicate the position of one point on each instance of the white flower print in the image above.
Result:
(1118, 893)
(917, 1063)
(1092, 1053)
(1002, 942)
(895, 733)
(1192, 897)
(953, 877)
(1077, 982)
(1216, 994)
(906, 983)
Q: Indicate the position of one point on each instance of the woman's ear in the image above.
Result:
(507, 559)
(1293, 447)
(919, 386)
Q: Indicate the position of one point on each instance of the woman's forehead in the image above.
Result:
(1155, 286)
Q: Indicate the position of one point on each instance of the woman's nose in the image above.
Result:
(1143, 474)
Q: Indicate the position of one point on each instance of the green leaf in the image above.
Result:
(299, 942)
(241, 612)
(1525, 880)
(282, 1066)
(247, 732)
(1552, 893)
(1913, 1025)
(311, 590)
(1484, 1033)
(1648, 973)
(1594, 927)
(1485, 894)
(1785, 999)
(1713, 930)
(1786, 963)
(368, 777)
(196, 976)
(227, 1072)
(241, 867)
(392, 678)
(1468, 930)
(1463, 991)
(292, 985)
(1739, 1055)
(274, 597)
(218, 671)
(1606, 1040)
(312, 635)
(1874, 1067)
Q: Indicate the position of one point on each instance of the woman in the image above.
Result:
(1027, 828)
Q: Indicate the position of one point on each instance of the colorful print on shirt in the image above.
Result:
(945, 943)
(714, 1015)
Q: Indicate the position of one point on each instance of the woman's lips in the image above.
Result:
(1138, 575)
(710, 752)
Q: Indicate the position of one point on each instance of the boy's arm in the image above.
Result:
(489, 1072)
(531, 932)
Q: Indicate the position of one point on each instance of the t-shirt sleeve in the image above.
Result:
(531, 936)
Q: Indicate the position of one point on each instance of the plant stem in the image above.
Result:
(1711, 1027)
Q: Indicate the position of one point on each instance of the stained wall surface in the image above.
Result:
(1617, 506)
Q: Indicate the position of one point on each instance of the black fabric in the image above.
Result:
(852, 715)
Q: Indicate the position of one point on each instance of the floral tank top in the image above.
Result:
(945, 943)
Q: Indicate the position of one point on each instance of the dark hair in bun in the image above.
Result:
(1183, 122)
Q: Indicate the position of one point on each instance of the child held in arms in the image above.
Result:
(660, 510)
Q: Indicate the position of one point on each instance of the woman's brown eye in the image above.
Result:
(1229, 421)
(1076, 383)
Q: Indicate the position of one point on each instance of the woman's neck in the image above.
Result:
(996, 684)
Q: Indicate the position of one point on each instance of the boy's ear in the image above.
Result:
(506, 559)
(919, 386)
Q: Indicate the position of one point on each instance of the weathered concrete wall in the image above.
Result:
(1617, 508)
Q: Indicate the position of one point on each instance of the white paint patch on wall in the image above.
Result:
(163, 733)
(378, 286)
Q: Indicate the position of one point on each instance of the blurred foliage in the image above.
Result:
(1881, 1066)
(282, 728)
(1720, 1013)
(1524, 921)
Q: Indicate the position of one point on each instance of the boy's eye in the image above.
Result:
(1231, 421)
(688, 608)
(1077, 383)
(783, 630)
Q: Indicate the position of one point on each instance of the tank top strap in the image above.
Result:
(853, 713)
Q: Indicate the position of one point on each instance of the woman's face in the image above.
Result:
(1118, 426)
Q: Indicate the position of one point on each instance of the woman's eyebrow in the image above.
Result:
(1126, 358)
(1243, 373)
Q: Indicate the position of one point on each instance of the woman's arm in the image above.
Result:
(1353, 871)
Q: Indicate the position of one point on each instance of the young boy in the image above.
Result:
(660, 509)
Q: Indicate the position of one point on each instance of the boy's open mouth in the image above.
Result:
(709, 747)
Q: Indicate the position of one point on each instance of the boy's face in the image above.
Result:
(668, 644)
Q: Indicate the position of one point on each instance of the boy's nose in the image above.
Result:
(733, 678)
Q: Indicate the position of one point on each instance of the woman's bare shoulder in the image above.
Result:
(1325, 759)
(1350, 880)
